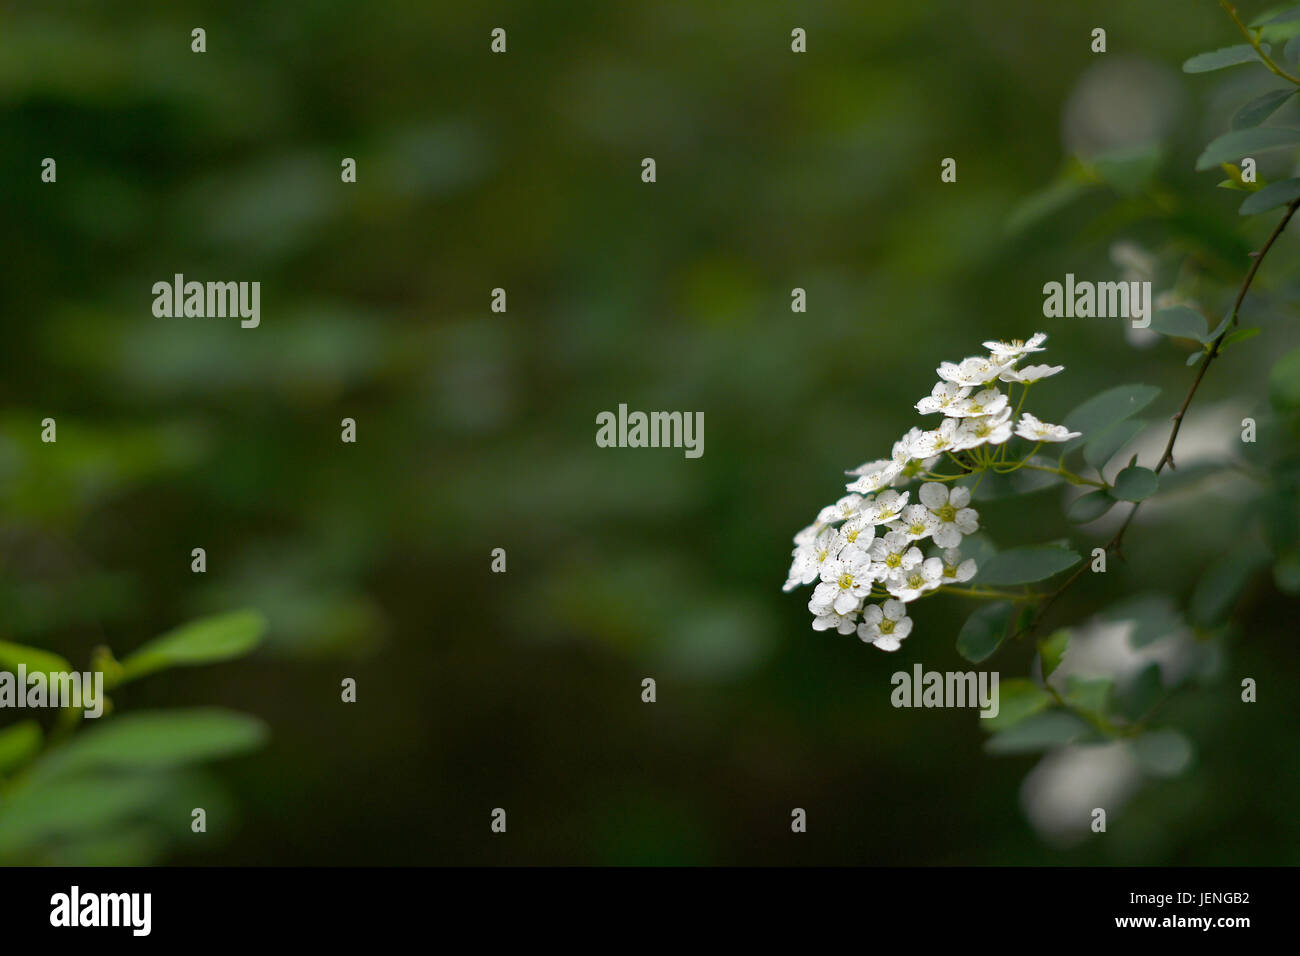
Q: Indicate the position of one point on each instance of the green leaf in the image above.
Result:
(1017, 699)
(156, 739)
(34, 659)
(1052, 650)
(1104, 444)
(984, 631)
(1239, 336)
(1261, 108)
(1041, 731)
(1284, 382)
(1102, 411)
(1272, 20)
(1223, 581)
(1218, 59)
(1026, 565)
(204, 641)
(1140, 693)
(74, 807)
(1089, 507)
(18, 744)
(1215, 332)
(1246, 142)
(1151, 616)
(1088, 694)
(1271, 196)
(1135, 483)
(1164, 753)
(1179, 321)
(1072, 183)
(1291, 52)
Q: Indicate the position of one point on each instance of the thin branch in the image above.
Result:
(1253, 40)
(1115, 543)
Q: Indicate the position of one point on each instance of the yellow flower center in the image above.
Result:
(886, 626)
(846, 581)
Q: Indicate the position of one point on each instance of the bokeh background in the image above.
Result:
(476, 430)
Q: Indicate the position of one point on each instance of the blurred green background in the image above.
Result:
(476, 430)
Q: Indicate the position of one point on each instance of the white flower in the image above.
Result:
(941, 397)
(973, 371)
(809, 534)
(886, 506)
(1015, 349)
(1030, 373)
(844, 623)
(910, 585)
(858, 532)
(1031, 428)
(988, 401)
(879, 475)
(951, 512)
(869, 467)
(845, 582)
(917, 522)
(893, 552)
(845, 508)
(905, 455)
(885, 625)
(987, 429)
(808, 558)
(933, 443)
(955, 570)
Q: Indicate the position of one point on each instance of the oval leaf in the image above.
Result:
(1102, 447)
(1017, 699)
(1246, 142)
(1051, 728)
(1089, 507)
(1218, 59)
(1026, 565)
(1135, 483)
(1261, 108)
(1052, 651)
(32, 658)
(1164, 753)
(983, 631)
(1271, 196)
(1102, 411)
(1180, 321)
(199, 642)
(156, 739)
(18, 744)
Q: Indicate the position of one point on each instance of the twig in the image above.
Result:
(1115, 543)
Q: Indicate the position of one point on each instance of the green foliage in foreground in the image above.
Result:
(119, 788)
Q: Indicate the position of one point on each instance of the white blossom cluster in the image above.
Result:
(867, 546)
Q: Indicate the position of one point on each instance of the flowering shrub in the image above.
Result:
(1096, 689)
(868, 545)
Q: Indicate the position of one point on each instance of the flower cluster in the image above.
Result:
(868, 545)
